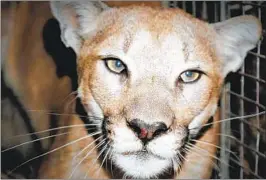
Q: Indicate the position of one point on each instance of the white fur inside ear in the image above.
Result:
(235, 37)
(70, 38)
(76, 19)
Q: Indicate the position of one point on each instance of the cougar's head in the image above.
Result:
(151, 77)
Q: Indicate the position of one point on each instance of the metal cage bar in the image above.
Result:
(257, 99)
(242, 131)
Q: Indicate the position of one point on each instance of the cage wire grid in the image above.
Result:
(242, 140)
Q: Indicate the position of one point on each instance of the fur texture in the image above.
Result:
(156, 46)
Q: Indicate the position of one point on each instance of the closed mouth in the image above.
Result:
(144, 153)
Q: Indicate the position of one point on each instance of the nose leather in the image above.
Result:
(143, 133)
(146, 132)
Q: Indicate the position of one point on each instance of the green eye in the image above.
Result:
(190, 76)
(115, 65)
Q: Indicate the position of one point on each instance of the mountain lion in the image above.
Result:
(149, 80)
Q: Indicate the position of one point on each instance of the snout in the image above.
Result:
(135, 137)
(137, 146)
(146, 132)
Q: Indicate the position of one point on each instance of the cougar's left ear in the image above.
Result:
(77, 20)
(235, 37)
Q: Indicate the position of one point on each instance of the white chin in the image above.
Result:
(138, 166)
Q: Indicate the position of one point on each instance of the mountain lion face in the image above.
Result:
(150, 78)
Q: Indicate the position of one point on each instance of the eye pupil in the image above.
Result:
(189, 73)
(118, 64)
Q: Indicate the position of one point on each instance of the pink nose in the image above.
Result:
(145, 131)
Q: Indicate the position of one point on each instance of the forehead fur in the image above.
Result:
(168, 37)
(158, 22)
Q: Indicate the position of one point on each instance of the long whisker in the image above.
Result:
(227, 135)
(72, 142)
(100, 143)
(52, 129)
(124, 176)
(246, 146)
(175, 165)
(106, 164)
(102, 151)
(230, 119)
(203, 150)
(204, 142)
(80, 152)
(188, 149)
(111, 154)
(183, 157)
(215, 157)
(98, 157)
(64, 114)
(28, 142)
(262, 155)
(74, 92)
(248, 169)
(103, 161)
(69, 103)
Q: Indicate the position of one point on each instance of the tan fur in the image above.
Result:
(22, 60)
(58, 164)
(194, 167)
(145, 20)
(63, 158)
(200, 162)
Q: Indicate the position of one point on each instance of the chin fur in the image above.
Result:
(141, 166)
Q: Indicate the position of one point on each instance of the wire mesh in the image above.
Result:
(243, 94)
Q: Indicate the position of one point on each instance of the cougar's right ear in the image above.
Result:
(77, 20)
(235, 37)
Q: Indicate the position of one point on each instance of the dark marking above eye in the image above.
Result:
(127, 42)
(185, 51)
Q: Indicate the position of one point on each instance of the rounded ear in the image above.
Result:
(235, 37)
(77, 19)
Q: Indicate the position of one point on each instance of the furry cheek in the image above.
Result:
(107, 89)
